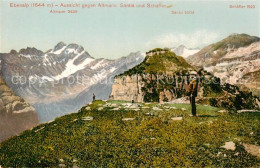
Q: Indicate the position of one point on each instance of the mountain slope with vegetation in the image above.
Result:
(166, 63)
(123, 134)
(214, 52)
(234, 60)
(158, 78)
(226, 95)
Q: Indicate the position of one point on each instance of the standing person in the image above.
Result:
(94, 97)
(193, 91)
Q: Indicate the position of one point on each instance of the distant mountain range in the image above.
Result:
(235, 60)
(61, 80)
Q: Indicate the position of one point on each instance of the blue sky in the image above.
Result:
(112, 33)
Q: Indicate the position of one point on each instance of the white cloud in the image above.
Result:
(191, 40)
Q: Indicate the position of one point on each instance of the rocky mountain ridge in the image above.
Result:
(67, 73)
(234, 60)
(214, 52)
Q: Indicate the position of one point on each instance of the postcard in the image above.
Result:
(129, 83)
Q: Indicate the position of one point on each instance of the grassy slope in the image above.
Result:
(149, 140)
(236, 41)
(163, 63)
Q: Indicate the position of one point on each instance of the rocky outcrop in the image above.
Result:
(148, 88)
(161, 77)
(15, 114)
(128, 88)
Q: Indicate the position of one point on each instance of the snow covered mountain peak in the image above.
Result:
(183, 51)
(56, 77)
(59, 46)
(70, 51)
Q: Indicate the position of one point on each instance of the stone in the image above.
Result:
(229, 145)
(62, 165)
(252, 149)
(127, 104)
(176, 118)
(157, 109)
(87, 118)
(88, 108)
(219, 153)
(128, 119)
(222, 111)
(247, 111)
(100, 108)
(182, 100)
(114, 105)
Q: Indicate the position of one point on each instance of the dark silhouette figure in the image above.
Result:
(193, 91)
(94, 97)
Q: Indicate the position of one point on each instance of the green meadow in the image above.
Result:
(124, 134)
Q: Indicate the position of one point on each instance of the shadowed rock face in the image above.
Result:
(15, 114)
